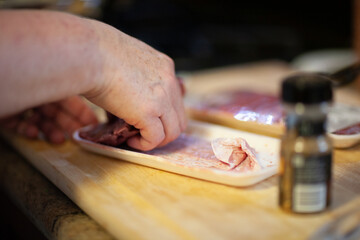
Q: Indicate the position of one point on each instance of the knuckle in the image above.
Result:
(185, 124)
(170, 62)
(147, 147)
(153, 111)
(167, 60)
(155, 142)
(134, 121)
(160, 138)
(173, 135)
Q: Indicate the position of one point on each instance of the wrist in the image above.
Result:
(93, 60)
(99, 74)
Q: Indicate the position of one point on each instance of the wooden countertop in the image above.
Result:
(137, 202)
(51, 211)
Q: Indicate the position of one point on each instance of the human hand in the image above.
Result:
(138, 84)
(55, 120)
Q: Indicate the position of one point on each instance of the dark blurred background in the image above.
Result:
(206, 33)
(201, 34)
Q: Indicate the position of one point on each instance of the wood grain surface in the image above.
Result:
(45, 205)
(137, 202)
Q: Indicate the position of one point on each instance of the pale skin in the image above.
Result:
(51, 57)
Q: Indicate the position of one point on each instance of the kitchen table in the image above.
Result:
(130, 201)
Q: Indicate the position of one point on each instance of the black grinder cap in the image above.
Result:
(306, 88)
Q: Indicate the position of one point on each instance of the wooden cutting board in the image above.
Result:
(138, 202)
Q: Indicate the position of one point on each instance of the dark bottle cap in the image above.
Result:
(306, 88)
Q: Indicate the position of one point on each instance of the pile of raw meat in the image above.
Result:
(113, 133)
(232, 154)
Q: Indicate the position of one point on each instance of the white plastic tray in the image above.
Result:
(267, 153)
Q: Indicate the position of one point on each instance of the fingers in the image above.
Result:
(157, 132)
(31, 126)
(178, 105)
(59, 119)
(49, 110)
(69, 114)
(171, 126)
(27, 129)
(87, 116)
(66, 122)
(166, 128)
(80, 111)
(10, 122)
(177, 91)
(151, 135)
(24, 126)
(55, 120)
(52, 132)
(182, 85)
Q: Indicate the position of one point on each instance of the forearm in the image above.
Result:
(44, 57)
(48, 56)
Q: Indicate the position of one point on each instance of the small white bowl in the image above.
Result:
(344, 141)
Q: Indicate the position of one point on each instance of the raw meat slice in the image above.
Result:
(244, 106)
(191, 151)
(236, 152)
(113, 133)
(231, 154)
(349, 130)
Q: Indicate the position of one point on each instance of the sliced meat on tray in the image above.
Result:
(192, 151)
(231, 154)
(113, 133)
(236, 152)
(243, 105)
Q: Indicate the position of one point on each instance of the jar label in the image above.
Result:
(311, 181)
(309, 197)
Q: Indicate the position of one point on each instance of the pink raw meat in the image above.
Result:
(244, 106)
(231, 154)
(193, 151)
(236, 152)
